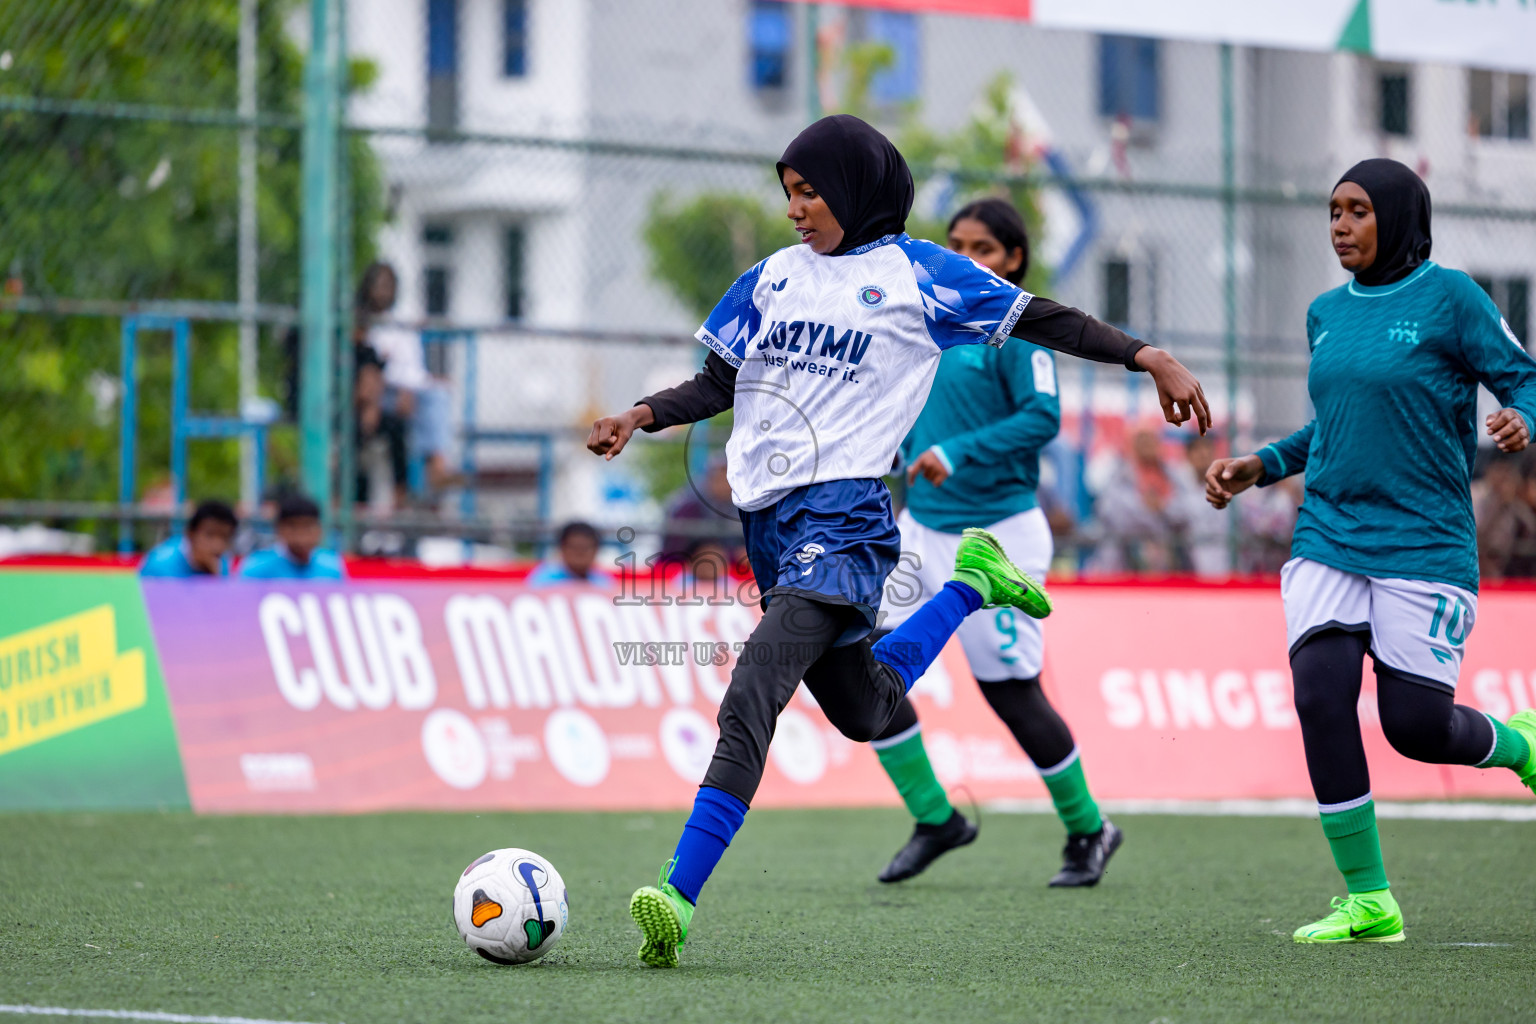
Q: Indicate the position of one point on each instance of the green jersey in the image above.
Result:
(1388, 455)
(990, 411)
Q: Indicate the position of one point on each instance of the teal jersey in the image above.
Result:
(1388, 455)
(990, 411)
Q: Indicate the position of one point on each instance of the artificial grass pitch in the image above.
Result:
(346, 919)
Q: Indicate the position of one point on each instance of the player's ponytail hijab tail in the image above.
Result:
(1401, 201)
(861, 175)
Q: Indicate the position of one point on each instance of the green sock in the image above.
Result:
(1510, 750)
(976, 580)
(1356, 846)
(906, 762)
(1069, 792)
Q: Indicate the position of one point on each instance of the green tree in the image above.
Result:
(699, 249)
(981, 156)
(131, 209)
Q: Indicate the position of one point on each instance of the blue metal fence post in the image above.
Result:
(129, 426)
(467, 453)
(181, 372)
(261, 461)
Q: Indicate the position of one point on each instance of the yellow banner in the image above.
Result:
(65, 675)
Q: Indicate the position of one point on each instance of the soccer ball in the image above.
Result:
(510, 906)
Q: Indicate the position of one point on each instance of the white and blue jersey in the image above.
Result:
(834, 358)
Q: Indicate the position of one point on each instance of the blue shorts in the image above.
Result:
(834, 542)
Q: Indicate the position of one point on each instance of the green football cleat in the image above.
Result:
(1524, 723)
(980, 552)
(663, 915)
(1358, 917)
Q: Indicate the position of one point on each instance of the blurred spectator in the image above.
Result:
(1132, 511)
(1202, 531)
(1059, 472)
(410, 392)
(381, 451)
(201, 551)
(575, 559)
(706, 573)
(298, 554)
(1506, 520)
(702, 509)
(1267, 522)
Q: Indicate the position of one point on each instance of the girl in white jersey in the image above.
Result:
(826, 351)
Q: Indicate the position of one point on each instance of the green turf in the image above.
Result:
(346, 920)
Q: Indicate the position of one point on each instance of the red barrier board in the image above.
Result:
(463, 694)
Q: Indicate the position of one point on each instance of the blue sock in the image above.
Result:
(711, 827)
(911, 647)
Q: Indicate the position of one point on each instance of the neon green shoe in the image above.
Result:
(1524, 723)
(981, 553)
(1358, 917)
(663, 915)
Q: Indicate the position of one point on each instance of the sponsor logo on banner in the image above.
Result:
(688, 741)
(278, 773)
(454, 748)
(65, 675)
(577, 747)
(798, 749)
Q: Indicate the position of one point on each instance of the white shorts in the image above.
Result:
(1000, 643)
(1415, 627)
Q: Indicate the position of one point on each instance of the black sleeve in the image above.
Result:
(711, 391)
(1065, 329)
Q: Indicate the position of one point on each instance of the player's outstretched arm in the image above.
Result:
(1178, 390)
(711, 391)
(611, 433)
(1065, 329)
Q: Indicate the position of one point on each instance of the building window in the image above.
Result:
(901, 32)
(1394, 101)
(769, 38)
(514, 40)
(442, 65)
(1128, 78)
(437, 291)
(437, 254)
(1117, 291)
(1500, 105)
(1513, 297)
(517, 242)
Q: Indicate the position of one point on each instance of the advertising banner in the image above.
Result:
(465, 695)
(83, 715)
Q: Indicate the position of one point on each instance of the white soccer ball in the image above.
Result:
(510, 906)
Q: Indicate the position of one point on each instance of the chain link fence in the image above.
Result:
(561, 190)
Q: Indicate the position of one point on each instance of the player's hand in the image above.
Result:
(1507, 428)
(1178, 391)
(930, 467)
(1227, 478)
(611, 433)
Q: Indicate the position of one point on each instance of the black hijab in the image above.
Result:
(1401, 200)
(858, 172)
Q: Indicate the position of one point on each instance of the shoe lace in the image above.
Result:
(1347, 907)
(666, 872)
